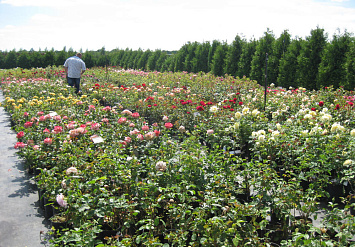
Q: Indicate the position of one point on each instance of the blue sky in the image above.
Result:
(161, 24)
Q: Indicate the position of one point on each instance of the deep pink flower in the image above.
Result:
(25, 114)
(240, 103)
(200, 108)
(46, 130)
(337, 107)
(145, 127)
(168, 125)
(157, 132)
(28, 124)
(313, 109)
(122, 120)
(57, 129)
(135, 115)
(321, 103)
(19, 145)
(20, 134)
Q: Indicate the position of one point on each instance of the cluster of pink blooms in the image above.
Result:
(78, 131)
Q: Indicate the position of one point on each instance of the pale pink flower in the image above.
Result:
(91, 107)
(46, 130)
(79, 102)
(46, 117)
(134, 132)
(128, 112)
(93, 137)
(57, 118)
(35, 147)
(149, 135)
(42, 118)
(105, 120)
(48, 141)
(132, 125)
(40, 113)
(25, 114)
(155, 124)
(145, 127)
(128, 139)
(60, 200)
(70, 126)
(165, 118)
(209, 132)
(123, 144)
(140, 137)
(107, 108)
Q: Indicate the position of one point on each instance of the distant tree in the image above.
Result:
(23, 60)
(279, 49)
(143, 60)
(244, 64)
(134, 60)
(200, 61)
(288, 66)
(213, 48)
(10, 60)
(350, 67)
(60, 57)
(188, 63)
(310, 57)
(161, 60)
(233, 56)
(332, 69)
(180, 58)
(49, 58)
(258, 62)
(217, 66)
(88, 59)
(152, 60)
(2, 59)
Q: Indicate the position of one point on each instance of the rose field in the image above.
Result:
(184, 159)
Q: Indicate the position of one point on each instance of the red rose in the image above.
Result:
(321, 103)
(240, 103)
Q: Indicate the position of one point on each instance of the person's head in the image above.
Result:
(79, 54)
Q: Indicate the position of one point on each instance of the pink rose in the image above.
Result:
(126, 112)
(25, 114)
(48, 141)
(128, 139)
(209, 132)
(20, 134)
(28, 124)
(60, 200)
(122, 120)
(95, 126)
(140, 137)
(145, 127)
(149, 135)
(57, 129)
(135, 115)
(168, 125)
(157, 132)
(19, 145)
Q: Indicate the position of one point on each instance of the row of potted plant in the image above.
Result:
(181, 159)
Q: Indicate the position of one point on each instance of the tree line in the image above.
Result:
(313, 62)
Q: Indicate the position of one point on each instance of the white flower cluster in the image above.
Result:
(336, 127)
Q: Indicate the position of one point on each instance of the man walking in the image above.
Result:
(74, 68)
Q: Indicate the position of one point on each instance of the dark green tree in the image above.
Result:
(10, 60)
(288, 66)
(152, 60)
(213, 48)
(332, 69)
(188, 63)
(244, 65)
(161, 60)
(200, 61)
(278, 51)
(233, 56)
(180, 58)
(88, 59)
(143, 60)
(258, 63)
(23, 60)
(350, 67)
(310, 58)
(217, 65)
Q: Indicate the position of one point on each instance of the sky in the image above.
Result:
(162, 24)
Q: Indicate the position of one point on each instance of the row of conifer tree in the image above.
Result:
(313, 62)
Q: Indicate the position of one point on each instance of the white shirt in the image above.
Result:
(75, 65)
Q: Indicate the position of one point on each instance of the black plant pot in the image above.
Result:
(41, 198)
(352, 208)
(335, 190)
(48, 208)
